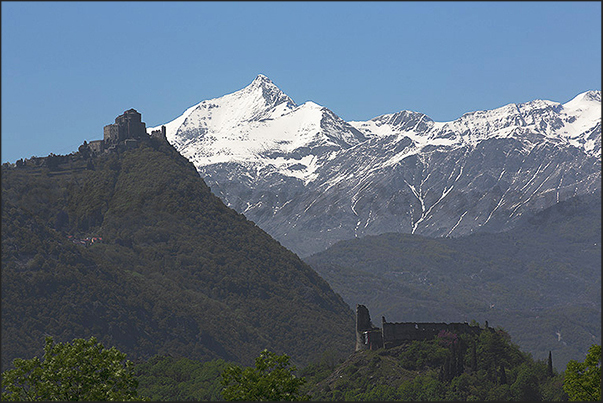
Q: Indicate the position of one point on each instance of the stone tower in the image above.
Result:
(367, 335)
(127, 126)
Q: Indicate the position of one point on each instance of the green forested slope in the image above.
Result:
(449, 367)
(177, 272)
(540, 281)
(453, 367)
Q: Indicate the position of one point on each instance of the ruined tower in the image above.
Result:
(160, 134)
(368, 337)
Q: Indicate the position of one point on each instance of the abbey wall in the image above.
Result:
(369, 337)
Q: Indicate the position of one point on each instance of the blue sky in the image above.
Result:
(69, 68)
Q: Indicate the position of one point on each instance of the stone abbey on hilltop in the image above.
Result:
(369, 337)
(127, 131)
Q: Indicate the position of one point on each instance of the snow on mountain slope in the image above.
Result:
(260, 100)
(582, 122)
(310, 179)
(260, 125)
(571, 122)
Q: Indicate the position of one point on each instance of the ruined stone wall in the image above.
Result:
(160, 134)
(395, 334)
(367, 335)
(373, 339)
(96, 146)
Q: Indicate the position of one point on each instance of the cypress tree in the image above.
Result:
(550, 365)
(503, 375)
(474, 357)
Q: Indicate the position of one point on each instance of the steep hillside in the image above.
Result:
(133, 248)
(540, 281)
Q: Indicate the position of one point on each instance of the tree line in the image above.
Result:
(84, 370)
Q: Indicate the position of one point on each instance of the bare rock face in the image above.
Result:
(311, 179)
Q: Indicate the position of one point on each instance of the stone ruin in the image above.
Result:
(369, 337)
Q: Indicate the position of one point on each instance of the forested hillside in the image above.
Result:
(134, 249)
(540, 281)
(450, 367)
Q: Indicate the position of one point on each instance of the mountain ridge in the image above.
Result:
(523, 110)
(310, 179)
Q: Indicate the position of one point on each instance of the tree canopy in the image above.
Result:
(82, 370)
(272, 379)
(583, 379)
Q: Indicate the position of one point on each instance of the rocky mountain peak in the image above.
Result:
(590, 96)
(272, 95)
(261, 81)
(309, 178)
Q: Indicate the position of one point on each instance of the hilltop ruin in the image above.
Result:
(369, 337)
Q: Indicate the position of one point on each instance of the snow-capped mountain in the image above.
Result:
(310, 179)
(261, 126)
(575, 123)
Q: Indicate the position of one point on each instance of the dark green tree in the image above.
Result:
(82, 370)
(272, 379)
(549, 369)
(525, 387)
(583, 379)
(474, 356)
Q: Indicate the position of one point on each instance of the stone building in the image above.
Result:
(126, 133)
(160, 134)
(128, 126)
(369, 337)
(96, 146)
